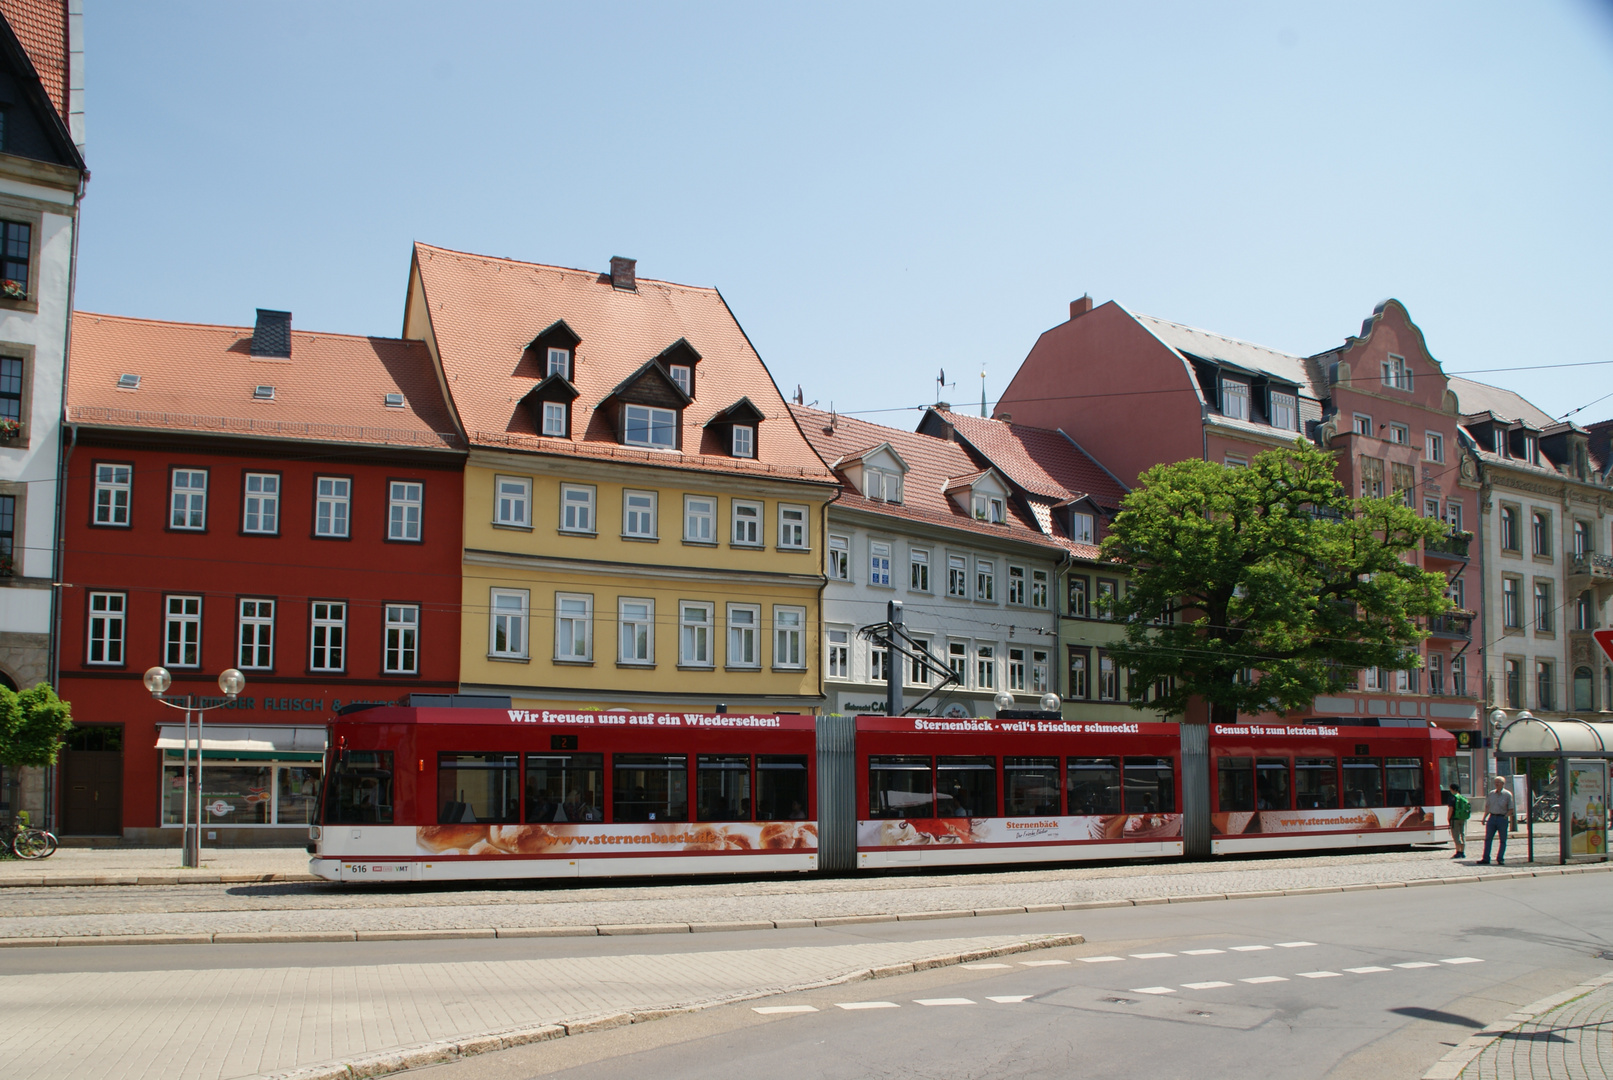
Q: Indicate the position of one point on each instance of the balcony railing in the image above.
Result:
(1452, 546)
(1599, 568)
(1454, 624)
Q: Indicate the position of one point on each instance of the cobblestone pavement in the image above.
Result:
(1568, 1036)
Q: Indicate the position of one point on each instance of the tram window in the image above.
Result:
(967, 787)
(478, 787)
(359, 791)
(781, 788)
(1363, 782)
(722, 787)
(651, 787)
(565, 787)
(1405, 781)
(1094, 785)
(1271, 784)
(1031, 785)
(1316, 783)
(1150, 786)
(900, 787)
(1235, 784)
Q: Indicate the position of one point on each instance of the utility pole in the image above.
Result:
(893, 666)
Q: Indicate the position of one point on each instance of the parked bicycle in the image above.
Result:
(1545, 807)
(27, 842)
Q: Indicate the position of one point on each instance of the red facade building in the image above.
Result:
(283, 503)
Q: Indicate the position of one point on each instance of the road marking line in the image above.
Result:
(1462, 960)
(851, 1005)
(1205, 985)
(1010, 1000)
(1416, 964)
(1264, 979)
(1045, 963)
(1250, 948)
(983, 967)
(1296, 944)
(1319, 975)
(1097, 959)
(769, 1010)
(1365, 970)
(1153, 990)
(1151, 955)
(1203, 952)
(943, 1001)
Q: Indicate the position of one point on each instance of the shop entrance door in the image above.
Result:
(92, 781)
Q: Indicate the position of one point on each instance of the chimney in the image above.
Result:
(1007, 418)
(623, 273)
(272, 335)
(1080, 307)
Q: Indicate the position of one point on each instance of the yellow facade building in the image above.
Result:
(643, 520)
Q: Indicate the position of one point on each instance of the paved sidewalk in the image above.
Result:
(226, 1023)
(1568, 1036)
(132, 865)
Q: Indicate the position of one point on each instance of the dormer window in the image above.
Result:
(679, 360)
(1234, 399)
(989, 508)
(1083, 527)
(556, 420)
(683, 375)
(882, 486)
(128, 382)
(744, 441)
(1284, 411)
(734, 431)
(643, 425)
(552, 351)
(550, 405)
(559, 363)
(263, 393)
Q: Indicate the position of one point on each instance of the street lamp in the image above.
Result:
(1003, 700)
(158, 680)
(1051, 702)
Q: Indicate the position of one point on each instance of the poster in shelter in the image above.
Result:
(1587, 808)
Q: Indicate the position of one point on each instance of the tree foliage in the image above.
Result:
(1259, 588)
(32, 725)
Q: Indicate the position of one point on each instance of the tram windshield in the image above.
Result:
(359, 790)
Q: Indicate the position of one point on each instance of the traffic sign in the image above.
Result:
(1604, 638)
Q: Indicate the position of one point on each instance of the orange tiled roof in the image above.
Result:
(196, 377)
(932, 465)
(41, 26)
(484, 311)
(1042, 462)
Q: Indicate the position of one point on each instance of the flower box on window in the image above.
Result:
(9, 429)
(13, 290)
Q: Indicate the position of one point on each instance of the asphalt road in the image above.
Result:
(1253, 988)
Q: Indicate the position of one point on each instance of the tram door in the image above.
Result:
(1459, 769)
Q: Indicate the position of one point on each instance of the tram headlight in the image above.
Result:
(313, 833)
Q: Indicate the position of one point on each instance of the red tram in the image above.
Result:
(424, 794)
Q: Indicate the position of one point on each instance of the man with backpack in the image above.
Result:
(1460, 810)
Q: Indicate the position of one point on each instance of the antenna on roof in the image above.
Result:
(800, 398)
(941, 384)
(829, 428)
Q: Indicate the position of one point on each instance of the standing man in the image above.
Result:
(1460, 811)
(1497, 819)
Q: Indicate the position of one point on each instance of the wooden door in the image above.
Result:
(92, 781)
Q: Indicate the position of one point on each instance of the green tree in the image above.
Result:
(32, 725)
(1257, 589)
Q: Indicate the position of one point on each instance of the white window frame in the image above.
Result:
(746, 528)
(918, 570)
(181, 628)
(577, 510)
(1083, 527)
(654, 420)
(879, 564)
(837, 654)
(333, 507)
(635, 620)
(1016, 680)
(878, 658)
(1453, 514)
(509, 610)
(1397, 373)
(792, 527)
(696, 521)
(558, 362)
(682, 376)
(327, 636)
(742, 440)
(187, 503)
(918, 674)
(554, 419)
(744, 637)
(254, 633)
(1433, 446)
(958, 576)
(986, 667)
(1400, 434)
(958, 661)
(400, 640)
(986, 580)
(405, 505)
(1016, 586)
(695, 644)
(114, 485)
(512, 502)
(260, 504)
(640, 522)
(839, 568)
(1282, 401)
(1040, 589)
(1041, 671)
(789, 637)
(1361, 424)
(573, 612)
(1234, 399)
(108, 629)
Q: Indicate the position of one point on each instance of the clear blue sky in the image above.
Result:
(880, 190)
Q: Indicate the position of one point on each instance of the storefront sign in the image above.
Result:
(281, 704)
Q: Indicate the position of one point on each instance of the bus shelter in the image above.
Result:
(1582, 751)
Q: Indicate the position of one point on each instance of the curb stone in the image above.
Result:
(1451, 1065)
(445, 1050)
(67, 881)
(622, 929)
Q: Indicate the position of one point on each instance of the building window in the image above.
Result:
(1016, 669)
(182, 631)
(637, 621)
(747, 524)
(1363, 424)
(1509, 529)
(507, 635)
(839, 655)
(1531, 450)
(986, 667)
(576, 508)
(989, 508)
(645, 426)
(1039, 589)
(1079, 687)
(1284, 411)
(1545, 611)
(513, 506)
(1039, 682)
(1453, 515)
(985, 580)
(792, 527)
(188, 506)
(554, 419)
(879, 564)
(559, 363)
(698, 517)
(1371, 478)
(1511, 613)
(1108, 678)
(1431, 509)
(694, 634)
(878, 664)
(881, 486)
(1582, 539)
(1458, 593)
(918, 570)
(638, 514)
(1434, 446)
(256, 651)
(262, 503)
(112, 485)
(403, 510)
(1234, 462)
(1235, 399)
(918, 672)
(1016, 585)
(401, 644)
(329, 652)
(1585, 611)
(787, 626)
(1544, 685)
(1513, 683)
(681, 375)
(744, 441)
(1584, 685)
(1079, 589)
(16, 238)
(106, 627)
(1107, 591)
(840, 558)
(573, 626)
(1541, 531)
(958, 576)
(1399, 434)
(332, 500)
(1436, 673)
(1404, 479)
(1459, 676)
(1082, 528)
(742, 623)
(1396, 373)
(958, 661)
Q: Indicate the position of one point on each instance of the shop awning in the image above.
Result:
(288, 743)
(1530, 737)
